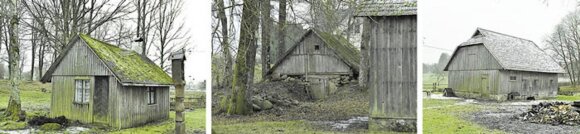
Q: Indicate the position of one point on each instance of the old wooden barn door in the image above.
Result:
(101, 97)
(484, 85)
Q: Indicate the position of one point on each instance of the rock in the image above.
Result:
(256, 107)
(50, 126)
(266, 105)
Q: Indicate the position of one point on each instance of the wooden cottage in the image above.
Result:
(496, 66)
(322, 59)
(390, 41)
(96, 82)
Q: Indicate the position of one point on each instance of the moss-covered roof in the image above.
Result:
(129, 66)
(343, 48)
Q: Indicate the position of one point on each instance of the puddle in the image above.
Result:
(344, 125)
(68, 130)
(441, 97)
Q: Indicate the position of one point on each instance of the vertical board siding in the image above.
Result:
(135, 110)
(393, 67)
(474, 57)
(469, 84)
(543, 89)
(80, 60)
(62, 102)
(304, 59)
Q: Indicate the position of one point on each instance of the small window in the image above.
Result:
(82, 91)
(151, 96)
(513, 78)
(357, 28)
(316, 47)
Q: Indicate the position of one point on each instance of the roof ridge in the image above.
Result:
(520, 38)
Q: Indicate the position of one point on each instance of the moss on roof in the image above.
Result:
(128, 66)
(343, 48)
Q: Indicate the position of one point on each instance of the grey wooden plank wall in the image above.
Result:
(393, 67)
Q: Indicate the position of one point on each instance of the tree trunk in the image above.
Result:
(225, 46)
(281, 29)
(241, 87)
(364, 62)
(33, 54)
(266, 24)
(14, 109)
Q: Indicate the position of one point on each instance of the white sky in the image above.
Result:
(447, 23)
(197, 20)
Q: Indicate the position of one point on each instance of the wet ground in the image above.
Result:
(68, 130)
(353, 123)
(501, 116)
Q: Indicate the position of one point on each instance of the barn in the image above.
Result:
(323, 59)
(390, 41)
(497, 66)
(96, 82)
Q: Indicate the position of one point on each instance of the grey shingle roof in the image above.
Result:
(387, 8)
(514, 53)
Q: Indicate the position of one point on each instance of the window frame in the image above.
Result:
(513, 76)
(85, 89)
(316, 47)
(151, 96)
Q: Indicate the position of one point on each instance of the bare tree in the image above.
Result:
(168, 30)
(243, 69)
(14, 109)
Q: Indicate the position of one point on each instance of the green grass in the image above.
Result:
(266, 127)
(569, 89)
(443, 117)
(430, 78)
(30, 94)
(568, 98)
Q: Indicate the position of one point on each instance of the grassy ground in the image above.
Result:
(429, 79)
(305, 118)
(34, 101)
(444, 117)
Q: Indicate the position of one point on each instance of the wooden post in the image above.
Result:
(177, 59)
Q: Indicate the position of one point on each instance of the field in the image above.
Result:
(429, 79)
(36, 102)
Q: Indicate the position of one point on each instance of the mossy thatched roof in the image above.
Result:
(129, 67)
(345, 51)
(387, 8)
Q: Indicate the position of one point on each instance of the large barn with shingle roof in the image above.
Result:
(497, 66)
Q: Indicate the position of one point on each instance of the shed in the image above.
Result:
(96, 82)
(322, 59)
(390, 37)
(497, 66)
(318, 53)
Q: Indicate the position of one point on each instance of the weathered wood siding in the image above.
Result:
(81, 60)
(134, 109)
(475, 57)
(305, 59)
(393, 67)
(546, 86)
(475, 83)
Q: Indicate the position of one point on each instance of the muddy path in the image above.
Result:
(502, 116)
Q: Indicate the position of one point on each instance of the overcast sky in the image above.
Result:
(444, 24)
(197, 20)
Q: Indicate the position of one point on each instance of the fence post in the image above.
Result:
(177, 59)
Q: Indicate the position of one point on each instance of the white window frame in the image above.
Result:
(82, 91)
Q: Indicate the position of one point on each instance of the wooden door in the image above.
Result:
(484, 85)
(101, 99)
